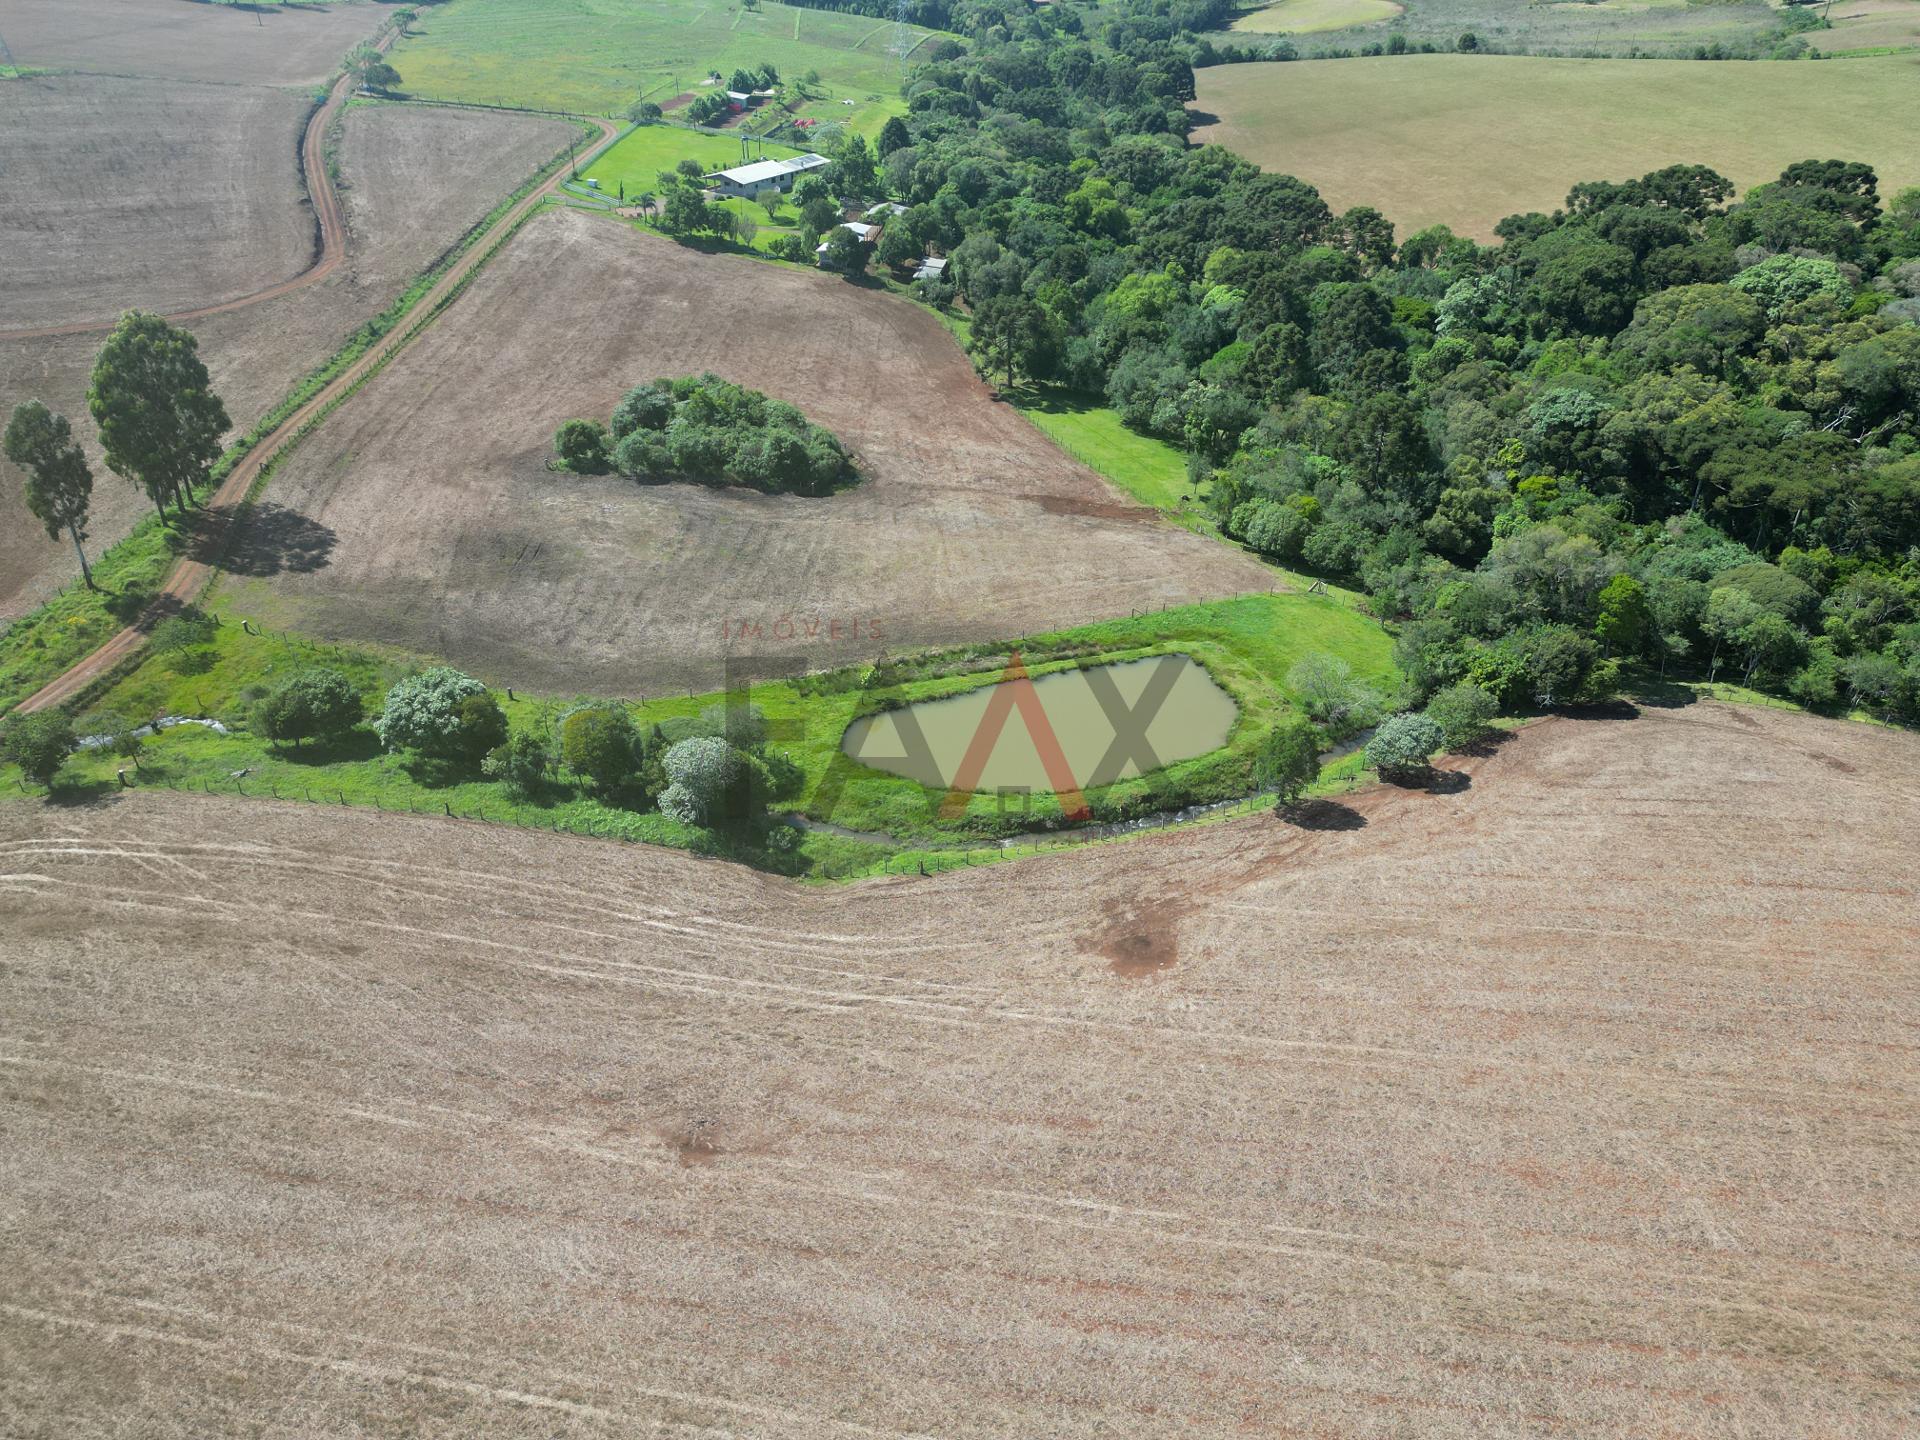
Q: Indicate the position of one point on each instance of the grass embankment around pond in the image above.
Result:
(1247, 645)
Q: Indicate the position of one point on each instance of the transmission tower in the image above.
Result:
(902, 32)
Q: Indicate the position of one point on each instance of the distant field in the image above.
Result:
(1869, 25)
(599, 56)
(1569, 27)
(1468, 139)
(1303, 17)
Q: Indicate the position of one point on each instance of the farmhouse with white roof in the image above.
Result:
(749, 182)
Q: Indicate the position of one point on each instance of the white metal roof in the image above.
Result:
(761, 171)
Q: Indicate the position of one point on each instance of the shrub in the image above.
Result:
(38, 743)
(642, 455)
(1464, 713)
(583, 447)
(429, 712)
(1288, 759)
(645, 407)
(1276, 530)
(1402, 745)
(710, 783)
(310, 703)
(524, 764)
(790, 247)
(1328, 692)
(482, 727)
(191, 627)
(601, 744)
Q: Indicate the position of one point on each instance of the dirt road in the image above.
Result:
(190, 576)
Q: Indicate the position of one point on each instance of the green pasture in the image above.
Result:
(599, 56)
(1147, 468)
(638, 157)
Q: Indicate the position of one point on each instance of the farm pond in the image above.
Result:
(1110, 722)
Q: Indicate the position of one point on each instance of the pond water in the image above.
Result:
(1110, 721)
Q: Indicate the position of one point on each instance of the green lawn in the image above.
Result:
(1147, 468)
(599, 56)
(1247, 644)
(637, 158)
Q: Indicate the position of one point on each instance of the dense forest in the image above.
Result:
(1666, 425)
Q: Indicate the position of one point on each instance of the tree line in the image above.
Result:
(1664, 425)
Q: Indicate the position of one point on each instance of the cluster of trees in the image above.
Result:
(714, 105)
(714, 771)
(700, 427)
(159, 424)
(1663, 424)
(369, 67)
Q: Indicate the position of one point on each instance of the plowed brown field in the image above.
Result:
(1577, 1102)
(412, 181)
(970, 524)
(120, 192)
(181, 40)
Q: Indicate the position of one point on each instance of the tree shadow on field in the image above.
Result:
(357, 744)
(82, 794)
(1662, 694)
(1486, 745)
(1323, 814)
(1446, 782)
(1202, 117)
(1604, 710)
(268, 540)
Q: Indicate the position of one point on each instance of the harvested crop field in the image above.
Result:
(1577, 1101)
(266, 44)
(120, 192)
(433, 481)
(1466, 140)
(413, 180)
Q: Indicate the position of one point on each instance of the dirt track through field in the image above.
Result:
(189, 577)
(1578, 1101)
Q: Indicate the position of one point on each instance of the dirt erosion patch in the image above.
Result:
(1143, 940)
(969, 524)
(1549, 1107)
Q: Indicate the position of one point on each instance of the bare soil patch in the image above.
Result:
(1577, 1103)
(970, 524)
(413, 180)
(121, 192)
(181, 40)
